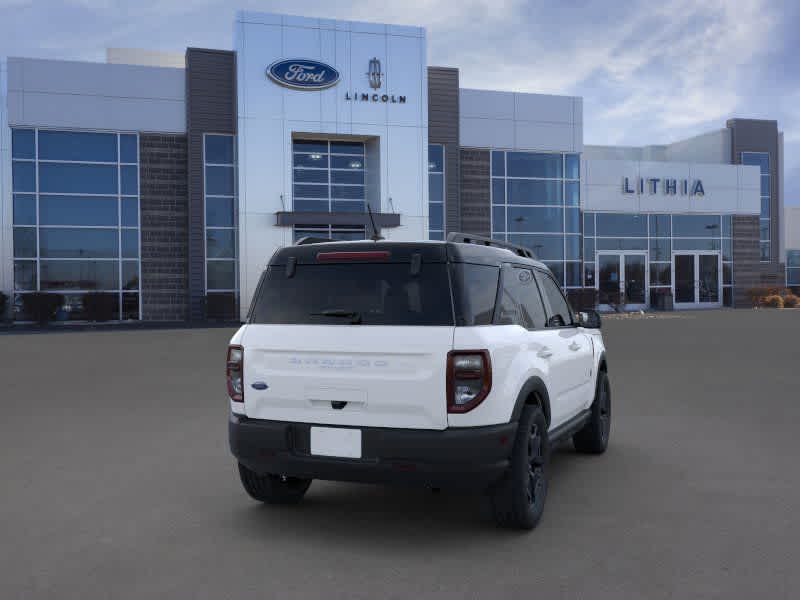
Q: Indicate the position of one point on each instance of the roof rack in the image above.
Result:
(467, 238)
(310, 239)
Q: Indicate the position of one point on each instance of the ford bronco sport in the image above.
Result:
(456, 363)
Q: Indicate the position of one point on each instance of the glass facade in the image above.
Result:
(221, 222)
(793, 268)
(761, 160)
(76, 219)
(536, 204)
(328, 176)
(436, 192)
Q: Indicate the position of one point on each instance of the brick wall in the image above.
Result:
(443, 128)
(165, 227)
(476, 217)
(746, 266)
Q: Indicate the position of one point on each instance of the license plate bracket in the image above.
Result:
(336, 442)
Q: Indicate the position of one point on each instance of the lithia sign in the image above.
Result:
(306, 74)
(667, 186)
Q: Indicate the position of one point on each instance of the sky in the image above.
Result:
(649, 72)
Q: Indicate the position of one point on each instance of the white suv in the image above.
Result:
(456, 363)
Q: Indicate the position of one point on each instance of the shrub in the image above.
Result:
(3, 306)
(790, 300)
(41, 306)
(773, 301)
(98, 306)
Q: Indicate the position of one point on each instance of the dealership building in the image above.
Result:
(168, 180)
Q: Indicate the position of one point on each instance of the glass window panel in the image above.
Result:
(727, 249)
(314, 160)
(128, 148)
(545, 247)
(25, 242)
(23, 143)
(310, 146)
(727, 296)
(498, 191)
(557, 268)
(588, 274)
(129, 180)
(436, 235)
(79, 275)
(220, 243)
(435, 158)
(765, 207)
(341, 162)
(763, 229)
(57, 242)
(695, 244)
(77, 210)
(532, 164)
(347, 192)
(660, 226)
(498, 218)
(311, 205)
(23, 176)
(529, 191)
(660, 274)
(130, 212)
(727, 273)
(436, 187)
(765, 251)
(77, 179)
(24, 209)
(660, 249)
(572, 246)
(130, 307)
(310, 191)
(793, 277)
(727, 226)
(498, 163)
(572, 220)
(588, 249)
(221, 274)
(337, 234)
(348, 206)
(573, 166)
(572, 189)
(347, 148)
(219, 212)
(759, 159)
(588, 224)
(573, 274)
(130, 243)
(130, 274)
(219, 149)
(696, 225)
(436, 216)
(624, 225)
(219, 181)
(311, 175)
(793, 258)
(621, 243)
(25, 275)
(358, 177)
(540, 220)
(765, 185)
(77, 145)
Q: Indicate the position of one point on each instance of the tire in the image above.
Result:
(518, 501)
(273, 489)
(593, 438)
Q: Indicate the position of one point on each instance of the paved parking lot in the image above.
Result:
(117, 483)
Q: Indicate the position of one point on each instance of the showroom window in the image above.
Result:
(435, 191)
(793, 268)
(536, 204)
(333, 232)
(76, 221)
(222, 278)
(328, 176)
(761, 160)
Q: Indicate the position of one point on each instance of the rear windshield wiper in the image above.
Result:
(355, 317)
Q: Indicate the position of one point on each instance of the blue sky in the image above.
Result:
(649, 72)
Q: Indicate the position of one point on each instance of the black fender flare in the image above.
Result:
(602, 364)
(537, 386)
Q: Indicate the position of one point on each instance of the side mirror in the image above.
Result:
(590, 319)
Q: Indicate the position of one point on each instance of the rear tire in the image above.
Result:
(518, 501)
(593, 438)
(273, 489)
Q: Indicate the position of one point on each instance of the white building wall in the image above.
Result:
(270, 114)
(82, 95)
(791, 228)
(519, 121)
(713, 147)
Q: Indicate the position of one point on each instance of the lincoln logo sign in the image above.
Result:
(670, 187)
(301, 74)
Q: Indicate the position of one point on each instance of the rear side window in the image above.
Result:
(520, 303)
(354, 294)
(475, 292)
(558, 305)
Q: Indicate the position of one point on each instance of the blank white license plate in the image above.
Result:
(332, 441)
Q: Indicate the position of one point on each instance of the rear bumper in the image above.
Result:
(472, 457)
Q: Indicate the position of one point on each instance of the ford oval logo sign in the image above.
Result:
(303, 74)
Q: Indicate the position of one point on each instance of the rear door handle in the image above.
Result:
(544, 353)
(574, 346)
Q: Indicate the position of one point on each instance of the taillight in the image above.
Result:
(469, 379)
(234, 373)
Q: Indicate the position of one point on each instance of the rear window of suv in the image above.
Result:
(354, 294)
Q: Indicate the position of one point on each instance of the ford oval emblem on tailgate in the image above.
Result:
(259, 385)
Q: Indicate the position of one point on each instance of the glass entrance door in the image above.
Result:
(697, 279)
(622, 280)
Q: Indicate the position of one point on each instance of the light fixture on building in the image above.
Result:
(355, 164)
(431, 166)
(316, 156)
